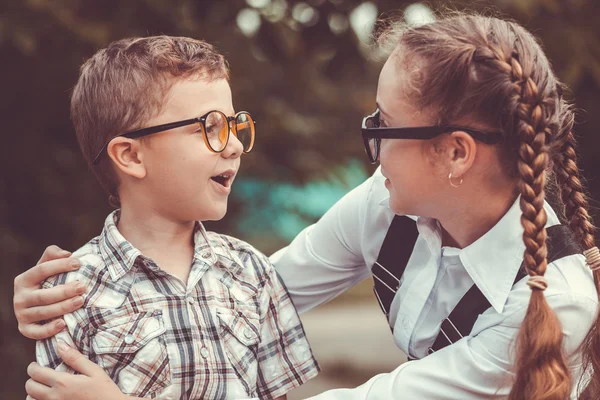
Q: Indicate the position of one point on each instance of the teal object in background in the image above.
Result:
(283, 210)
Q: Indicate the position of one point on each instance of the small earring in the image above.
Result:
(452, 183)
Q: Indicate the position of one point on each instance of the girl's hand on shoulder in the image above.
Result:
(32, 304)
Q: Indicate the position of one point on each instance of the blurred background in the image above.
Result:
(307, 70)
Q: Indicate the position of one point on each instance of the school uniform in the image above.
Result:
(345, 247)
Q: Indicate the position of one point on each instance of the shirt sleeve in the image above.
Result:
(327, 258)
(285, 359)
(473, 368)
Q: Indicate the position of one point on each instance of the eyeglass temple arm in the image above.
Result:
(147, 131)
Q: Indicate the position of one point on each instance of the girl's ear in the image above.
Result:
(460, 150)
(127, 156)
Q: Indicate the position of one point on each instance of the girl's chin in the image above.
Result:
(397, 207)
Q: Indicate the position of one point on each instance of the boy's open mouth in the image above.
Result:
(224, 179)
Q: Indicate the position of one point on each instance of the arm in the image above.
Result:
(329, 257)
(284, 354)
(478, 367)
(92, 384)
(75, 333)
(33, 304)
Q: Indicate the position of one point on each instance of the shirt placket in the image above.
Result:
(420, 288)
(450, 267)
(203, 361)
(173, 287)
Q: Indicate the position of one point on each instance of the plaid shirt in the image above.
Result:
(231, 333)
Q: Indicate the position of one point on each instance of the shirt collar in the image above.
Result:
(223, 253)
(494, 259)
(213, 248)
(118, 254)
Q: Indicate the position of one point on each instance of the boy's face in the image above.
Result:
(179, 166)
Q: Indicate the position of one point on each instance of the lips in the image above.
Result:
(225, 178)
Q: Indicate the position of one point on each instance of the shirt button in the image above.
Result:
(205, 255)
(191, 300)
(129, 339)
(204, 352)
(247, 333)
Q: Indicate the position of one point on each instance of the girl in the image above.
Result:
(471, 130)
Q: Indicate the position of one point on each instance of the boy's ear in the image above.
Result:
(127, 156)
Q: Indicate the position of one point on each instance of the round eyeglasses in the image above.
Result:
(214, 125)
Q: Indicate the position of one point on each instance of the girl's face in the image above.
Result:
(415, 178)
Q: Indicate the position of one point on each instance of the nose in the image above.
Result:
(234, 147)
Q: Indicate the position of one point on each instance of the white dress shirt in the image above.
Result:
(338, 251)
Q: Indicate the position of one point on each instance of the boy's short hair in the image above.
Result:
(124, 85)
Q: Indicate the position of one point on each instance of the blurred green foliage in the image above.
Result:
(306, 75)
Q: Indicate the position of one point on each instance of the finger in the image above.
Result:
(53, 252)
(46, 297)
(73, 358)
(34, 276)
(43, 375)
(44, 313)
(37, 390)
(30, 398)
(39, 332)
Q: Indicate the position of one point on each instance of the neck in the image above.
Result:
(470, 220)
(168, 243)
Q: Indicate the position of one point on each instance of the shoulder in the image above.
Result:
(571, 294)
(569, 280)
(91, 264)
(572, 275)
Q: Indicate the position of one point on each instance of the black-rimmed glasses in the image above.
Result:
(372, 134)
(215, 127)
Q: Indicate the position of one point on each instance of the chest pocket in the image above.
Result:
(240, 335)
(132, 350)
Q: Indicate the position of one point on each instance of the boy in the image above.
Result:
(173, 311)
